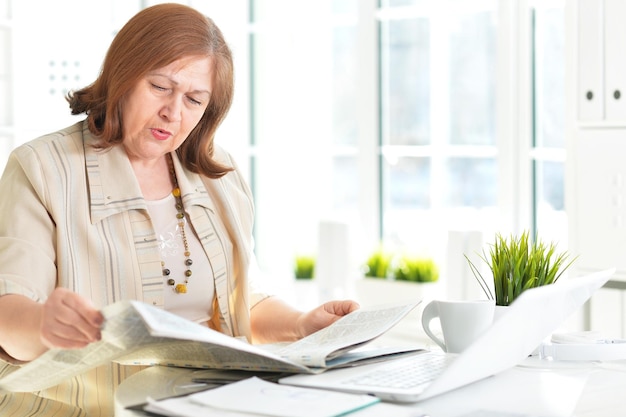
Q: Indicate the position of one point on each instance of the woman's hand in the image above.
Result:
(69, 321)
(65, 320)
(324, 315)
(273, 320)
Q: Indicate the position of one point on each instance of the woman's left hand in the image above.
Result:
(324, 316)
(273, 320)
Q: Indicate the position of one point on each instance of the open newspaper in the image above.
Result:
(140, 334)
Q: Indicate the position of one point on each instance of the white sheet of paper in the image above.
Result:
(271, 399)
(182, 407)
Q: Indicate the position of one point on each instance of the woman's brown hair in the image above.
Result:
(154, 38)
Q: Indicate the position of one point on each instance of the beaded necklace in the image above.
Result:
(180, 288)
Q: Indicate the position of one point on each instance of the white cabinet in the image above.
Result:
(596, 183)
(607, 312)
(599, 222)
(601, 62)
(590, 94)
(614, 60)
(596, 152)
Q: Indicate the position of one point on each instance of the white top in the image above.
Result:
(196, 303)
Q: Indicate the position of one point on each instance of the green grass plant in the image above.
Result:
(415, 269)
(378, 264)
(304, 267)
(517, 264)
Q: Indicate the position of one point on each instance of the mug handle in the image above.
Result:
(432, 312)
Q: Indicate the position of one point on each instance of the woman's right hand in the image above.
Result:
(69, 321)
(28, 328)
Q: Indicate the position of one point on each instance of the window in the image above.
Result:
(548, 151)
(438, 99)
(405, 119)
(305, 116)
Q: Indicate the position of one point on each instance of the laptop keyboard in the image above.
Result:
(415, 371)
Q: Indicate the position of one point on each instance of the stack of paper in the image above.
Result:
(261, 398)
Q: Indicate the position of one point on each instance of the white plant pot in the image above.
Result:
(372, 291)
(499, 311)
(306, 293)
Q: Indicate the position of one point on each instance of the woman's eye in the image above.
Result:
(194, 101)
(158, 87)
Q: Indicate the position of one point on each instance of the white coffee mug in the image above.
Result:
(461, 322)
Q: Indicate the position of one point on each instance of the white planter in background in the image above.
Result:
(372, 291)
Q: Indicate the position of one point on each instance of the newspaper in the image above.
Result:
(136, 333)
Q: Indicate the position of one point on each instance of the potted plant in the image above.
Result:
(304, 267)
(305, 291)
(389, 277)
(415, 269)
(517, 264)
(378, 264)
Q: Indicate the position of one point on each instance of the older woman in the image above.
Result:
(134, 202)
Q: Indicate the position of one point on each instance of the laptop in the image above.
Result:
(528, 321)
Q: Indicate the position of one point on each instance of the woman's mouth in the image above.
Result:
(160, 134)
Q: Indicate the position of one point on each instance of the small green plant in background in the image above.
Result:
(378, 263)
(518, 264)
(383, 264)
(415, 269)
(304, 267)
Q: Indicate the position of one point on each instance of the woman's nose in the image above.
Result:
(171, 111)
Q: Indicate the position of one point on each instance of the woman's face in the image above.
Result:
(165, 106)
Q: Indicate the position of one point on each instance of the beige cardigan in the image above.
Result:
(73, 216)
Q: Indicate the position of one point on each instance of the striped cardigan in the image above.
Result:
(74, 216)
